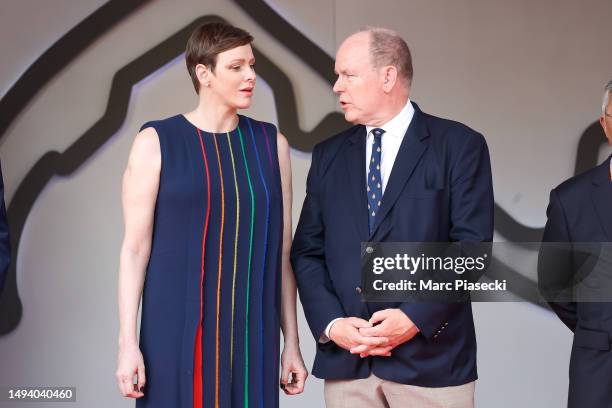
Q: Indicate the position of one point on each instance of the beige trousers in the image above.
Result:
(373, 392)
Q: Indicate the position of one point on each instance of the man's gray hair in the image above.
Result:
(606, 97)
(387, 47)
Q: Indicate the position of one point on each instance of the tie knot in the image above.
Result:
(377, 132)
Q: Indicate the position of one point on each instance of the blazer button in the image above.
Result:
(369, 250)
(435, 336)
(358, 290)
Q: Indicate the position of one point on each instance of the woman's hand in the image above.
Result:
(130, 363)
(292, 365)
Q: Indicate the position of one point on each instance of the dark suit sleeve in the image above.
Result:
(471, 218)
(5, 250)
(555, 274)
(317, 295)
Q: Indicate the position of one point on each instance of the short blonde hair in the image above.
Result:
(387, 47)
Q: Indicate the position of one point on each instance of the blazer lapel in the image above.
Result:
(602, 197)
(355, 161)
(408, 156)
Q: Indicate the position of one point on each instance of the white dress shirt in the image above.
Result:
(395, 129)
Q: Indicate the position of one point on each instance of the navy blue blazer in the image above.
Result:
(5, 249)
(580, 210)
(439, 189)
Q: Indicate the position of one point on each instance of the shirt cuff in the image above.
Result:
(325, 336)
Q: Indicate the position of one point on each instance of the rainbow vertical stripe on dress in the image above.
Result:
(211, 303)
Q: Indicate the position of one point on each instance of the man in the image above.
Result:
(426, 179)
(580, 210)
(5, 249)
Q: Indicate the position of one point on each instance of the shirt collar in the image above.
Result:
(398, 125)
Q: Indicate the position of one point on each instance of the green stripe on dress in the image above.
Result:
(246, 351)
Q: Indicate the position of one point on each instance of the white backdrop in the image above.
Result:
(528, 75)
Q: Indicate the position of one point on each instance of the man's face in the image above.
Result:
(606, 121)
(359, 85)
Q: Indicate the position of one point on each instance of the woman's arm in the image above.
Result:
(288, 291)
(291, 359)
(139, 194)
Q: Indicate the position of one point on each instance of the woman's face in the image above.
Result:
(234, 77)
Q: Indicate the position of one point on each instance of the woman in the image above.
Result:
(207, 209)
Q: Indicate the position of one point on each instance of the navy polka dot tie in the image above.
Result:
(374, 178)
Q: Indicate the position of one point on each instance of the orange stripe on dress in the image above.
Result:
(198, 396)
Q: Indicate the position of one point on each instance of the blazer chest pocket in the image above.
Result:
(591, 339)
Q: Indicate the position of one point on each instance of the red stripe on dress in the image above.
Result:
(197, 364)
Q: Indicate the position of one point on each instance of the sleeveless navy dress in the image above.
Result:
(211, 301)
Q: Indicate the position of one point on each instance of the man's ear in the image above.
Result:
(389, 75)
(604, 126)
